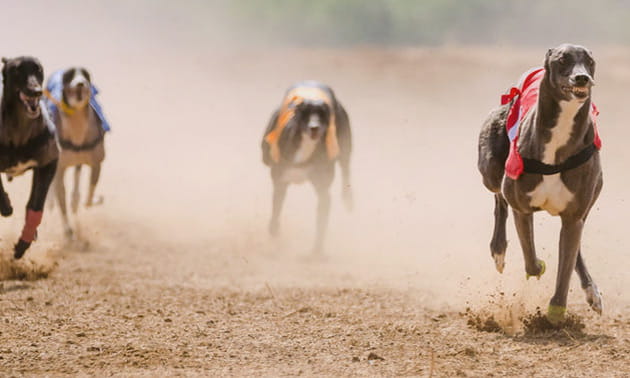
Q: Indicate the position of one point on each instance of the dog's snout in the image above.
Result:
(582, 80)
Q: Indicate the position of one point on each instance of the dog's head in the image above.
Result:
(571, 71)
(76, 87)
(22, 80)
(313, 118)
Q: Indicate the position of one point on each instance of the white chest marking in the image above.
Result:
(295, 175)
(20, 168)
(306, 149)
(551, 194)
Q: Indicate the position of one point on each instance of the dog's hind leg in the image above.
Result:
(60, 191)
(498, 244)
(76, 195)
(322, 182)
(593, 296)
(95, 173)
(344, 135)
(279, 193)
(525, 228)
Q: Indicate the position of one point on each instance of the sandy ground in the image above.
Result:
(180, 276)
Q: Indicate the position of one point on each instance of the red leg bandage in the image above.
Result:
(33, 219)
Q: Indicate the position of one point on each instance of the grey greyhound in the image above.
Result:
(305, 137)
(550, 161)
(80, 133)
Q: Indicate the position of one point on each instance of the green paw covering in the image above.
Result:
(555, 314)
(542, 266)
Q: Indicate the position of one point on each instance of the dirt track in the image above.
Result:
(180, 276)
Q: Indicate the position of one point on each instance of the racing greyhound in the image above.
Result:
(80, 130)
(26, 141)
(304, 139)
(539, 151)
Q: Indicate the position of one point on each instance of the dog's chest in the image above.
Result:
(551, 195)
(295, 175)
(305, 150)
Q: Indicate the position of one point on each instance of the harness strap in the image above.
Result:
(68, 145)
(60, 104)
(538, 167)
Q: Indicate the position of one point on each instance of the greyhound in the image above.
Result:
(305, 137)
(26, 141)
(548, 161)
(80, 131)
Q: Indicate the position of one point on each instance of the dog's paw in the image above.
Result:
(99, 201)
(541, 268)
(594, 298)
(556, 314)
(20, 248)
(499, 261)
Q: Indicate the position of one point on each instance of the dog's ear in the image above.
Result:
(547, 57)
(86, 74)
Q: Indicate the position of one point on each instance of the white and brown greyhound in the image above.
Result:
(80, 131)
(539, 151)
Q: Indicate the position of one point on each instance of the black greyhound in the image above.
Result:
(26, 141)
(550, 162)
(304, 139)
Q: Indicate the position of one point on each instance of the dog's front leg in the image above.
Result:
(42, 177)
(76, 195)
(323, 210)
(279, 193)
(525, 228)
(95, 174)
(5, 203)
(570, 236)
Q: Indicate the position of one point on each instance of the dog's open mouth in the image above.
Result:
(580, 93)
(31, 104)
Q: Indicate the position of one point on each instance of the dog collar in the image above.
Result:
(68, 145)
(60, 104)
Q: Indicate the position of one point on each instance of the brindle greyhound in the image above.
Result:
(26, 141)
(80, 134)
(561, 170)
(304, 139)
